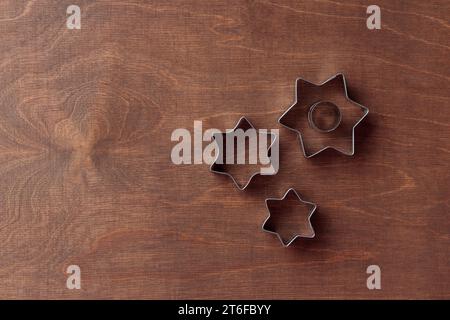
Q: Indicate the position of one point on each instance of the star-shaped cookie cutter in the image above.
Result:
(311, 108)
(312, 209)
(244, 124)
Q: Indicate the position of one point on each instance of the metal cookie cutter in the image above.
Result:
(309, 104)
(270, 204)
(244, 124)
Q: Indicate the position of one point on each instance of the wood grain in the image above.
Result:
(85, 172)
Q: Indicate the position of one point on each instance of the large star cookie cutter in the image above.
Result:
(331, 97)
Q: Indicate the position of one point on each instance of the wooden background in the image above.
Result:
(85, 171)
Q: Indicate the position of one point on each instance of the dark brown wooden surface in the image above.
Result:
(85, 172)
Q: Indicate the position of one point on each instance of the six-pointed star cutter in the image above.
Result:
(312, 207)
(244, 124)
(313, 106)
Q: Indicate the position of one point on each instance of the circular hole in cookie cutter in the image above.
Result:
(319, 116)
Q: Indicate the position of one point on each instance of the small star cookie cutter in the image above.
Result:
(313, 106)
(244, 124)
(312, 208)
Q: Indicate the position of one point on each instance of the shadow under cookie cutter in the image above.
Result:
(312, 208)
(313, 125)
(244, 124)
